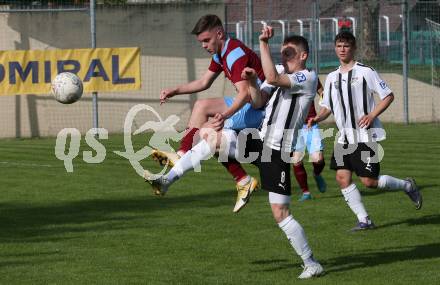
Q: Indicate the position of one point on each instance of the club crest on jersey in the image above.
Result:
(300, 77)
(383, 85)
(336, 84)
(354, 80)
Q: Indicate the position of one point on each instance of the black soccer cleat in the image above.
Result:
(414, 194)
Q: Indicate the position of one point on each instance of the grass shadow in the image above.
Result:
(270, 265)
(21, 221)
(382, 257)
(425, 220)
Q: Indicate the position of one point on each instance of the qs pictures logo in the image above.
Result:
(163, 131)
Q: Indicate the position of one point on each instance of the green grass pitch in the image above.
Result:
(101, 225)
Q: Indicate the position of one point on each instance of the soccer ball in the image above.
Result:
(67, 88)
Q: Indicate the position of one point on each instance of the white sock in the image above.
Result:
(172, 176)
(190, 160)
(297, 238)
(354, 201)
(244, 180)
(393, 183)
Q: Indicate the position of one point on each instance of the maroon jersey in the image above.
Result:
(234, 57)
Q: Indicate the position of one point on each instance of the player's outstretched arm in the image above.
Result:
(258, 97)
(197, 85)
(366, 120)
(270, 72)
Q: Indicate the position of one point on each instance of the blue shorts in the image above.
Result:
(246, 117)
(309, 139)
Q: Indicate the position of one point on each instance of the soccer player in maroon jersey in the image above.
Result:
(286, 96)
(229, 56)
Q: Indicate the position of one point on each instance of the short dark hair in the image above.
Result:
(346, 37)
(206, 23)
(298, 41)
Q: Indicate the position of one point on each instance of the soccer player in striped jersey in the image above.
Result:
(229, 56)
(348, 94)
(288, 91)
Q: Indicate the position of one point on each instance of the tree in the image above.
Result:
(369, 30)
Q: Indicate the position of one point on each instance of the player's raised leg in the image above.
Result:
(191, 159)
(368, 172)
(203, 109)
(188, 161)
(387, 182)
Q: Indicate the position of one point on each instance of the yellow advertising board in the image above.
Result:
(100, 69)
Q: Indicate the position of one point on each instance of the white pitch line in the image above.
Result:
(25, 164)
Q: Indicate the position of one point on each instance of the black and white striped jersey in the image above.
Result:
(287, 109)
(350, 96)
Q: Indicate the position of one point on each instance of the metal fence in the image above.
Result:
(434, 51)
(381, 38)
(170, 55)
